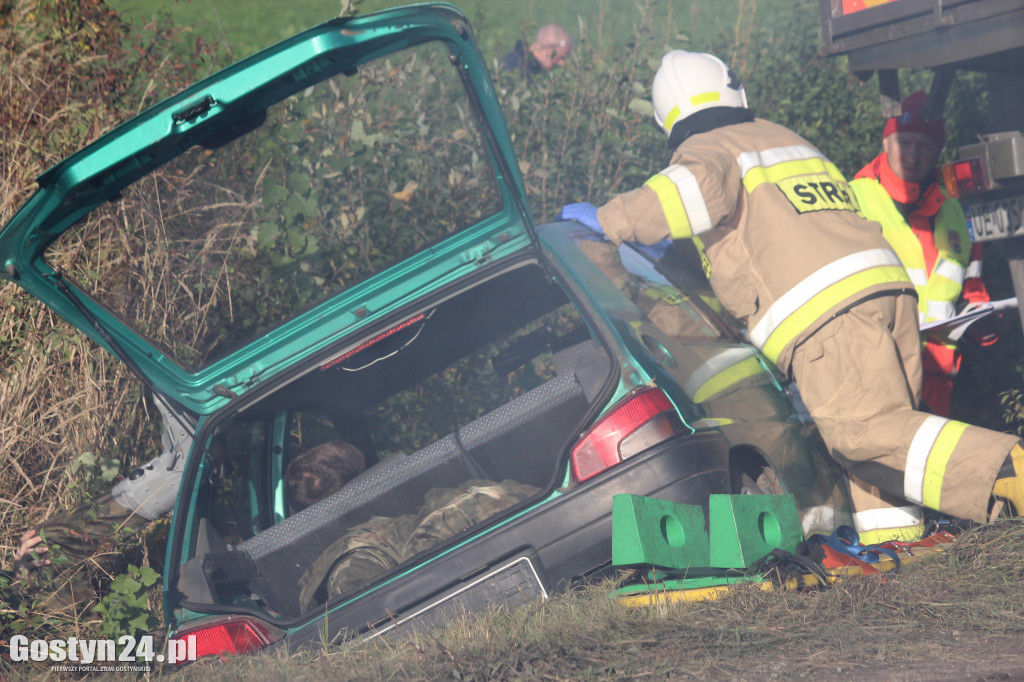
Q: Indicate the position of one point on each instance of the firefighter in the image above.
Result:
(901, 190)
(821, 292)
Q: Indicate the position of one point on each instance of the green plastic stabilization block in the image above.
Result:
(657, 533)
(744, 528)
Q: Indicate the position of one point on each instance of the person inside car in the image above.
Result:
(321, 471)
(383, 542)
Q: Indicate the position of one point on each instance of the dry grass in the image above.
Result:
(949, 616)
(65, 77)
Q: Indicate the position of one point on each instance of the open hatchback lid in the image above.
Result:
(279, 205)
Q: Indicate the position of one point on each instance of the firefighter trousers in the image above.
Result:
(860, 378)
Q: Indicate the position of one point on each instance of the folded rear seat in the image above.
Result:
(498, 445)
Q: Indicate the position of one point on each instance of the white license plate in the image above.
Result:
(996, 219)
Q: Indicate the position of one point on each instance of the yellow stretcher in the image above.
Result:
(705, 589)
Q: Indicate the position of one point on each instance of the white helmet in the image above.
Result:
(688, 82)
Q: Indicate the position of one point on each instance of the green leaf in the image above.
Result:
(274, 194)
(296, 240)
(294, 207)
(267, 234)
(641, 106)
(312, 245)
(124, 584)
(110, 468)
(148, 576)
(359, 134)
(140, 622)
(299, 182)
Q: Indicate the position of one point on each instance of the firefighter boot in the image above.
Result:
(1009, 484)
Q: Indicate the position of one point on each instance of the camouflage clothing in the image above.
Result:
(448, 511)
(81, 536)
(383, 542)
(363, 552)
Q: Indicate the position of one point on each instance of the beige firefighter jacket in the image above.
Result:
(784, 244)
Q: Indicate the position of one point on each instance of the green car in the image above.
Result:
(331, 241)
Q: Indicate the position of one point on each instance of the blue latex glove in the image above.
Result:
(584, 213)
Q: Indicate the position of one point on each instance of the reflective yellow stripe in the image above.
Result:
(904, 534)
(693, 199)
(670, 119)
(721, 371)
(939, 310)
(712, 302)
(950, 270)
(728, 378)
(773, 165)
(705, 265)
(887, 518)
(936, 292)
(667, 294)
(944, 287)
(917, 457)
(708, 423)
(918, 277)
(758, 176)
(672, 206)
(935, 470)
(683, 204)
(823, 289)
(823, 302)
(748, 161)
(704, 98)
(929, 453)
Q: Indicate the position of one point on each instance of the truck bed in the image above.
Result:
(982, 35)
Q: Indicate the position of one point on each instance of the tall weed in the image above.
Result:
(69, 70)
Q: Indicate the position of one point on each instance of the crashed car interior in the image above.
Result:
(406, 402)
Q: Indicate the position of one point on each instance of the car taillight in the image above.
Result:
(965, 177)
(234, 636)
(642, 420)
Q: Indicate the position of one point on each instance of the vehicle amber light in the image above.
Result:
(965, 177)
(235, 637)
(640, 421)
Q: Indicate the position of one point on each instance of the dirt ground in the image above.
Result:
(968, 657)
